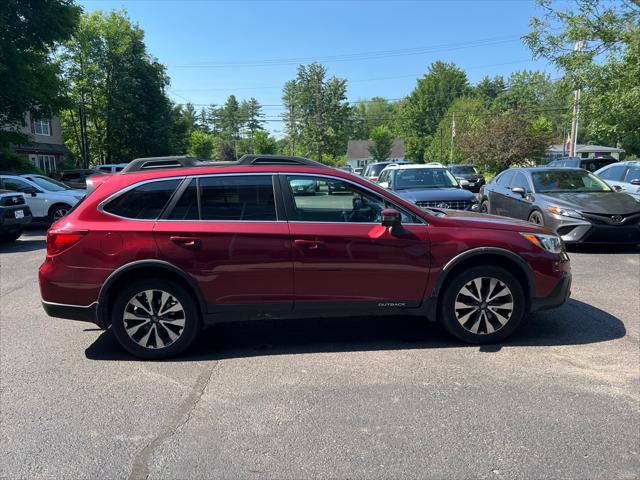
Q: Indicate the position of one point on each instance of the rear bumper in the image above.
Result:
(81, 313)
(557, 297)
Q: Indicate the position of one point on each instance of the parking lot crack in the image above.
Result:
(182, 416)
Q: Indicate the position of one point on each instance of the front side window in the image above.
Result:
(520, 181)
(633, 174)
(614, 173)
(243, 197)
(556, 181)
(144, 202)
(505, 178)
(337, 201)
(411, 178)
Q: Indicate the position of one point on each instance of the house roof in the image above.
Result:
(359, 149)
(587, 148)
(37, 147)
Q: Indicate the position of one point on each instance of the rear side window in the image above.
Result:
(633, 173)
(246, 197)
(614, 173)
(145, 202)
(505, 179)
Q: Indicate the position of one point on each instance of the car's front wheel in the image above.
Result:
(484, 206)
(154, 319)
(483, 304)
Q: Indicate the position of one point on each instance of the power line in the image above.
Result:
(358, 56)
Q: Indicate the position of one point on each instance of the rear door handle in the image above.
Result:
(308, 244)
(186, 242)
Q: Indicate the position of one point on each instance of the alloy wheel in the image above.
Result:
(58, 213)
(536, 217)
(483, 305)
(154, 319)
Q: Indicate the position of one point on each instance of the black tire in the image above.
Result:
(484, 206)
(462, 330)
(11, 237)
(55, 209)
(536, 217)
(160, 334)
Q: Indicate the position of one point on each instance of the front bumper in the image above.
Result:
(583, 231)
(557, 297)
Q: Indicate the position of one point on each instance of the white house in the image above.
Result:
(358, 155)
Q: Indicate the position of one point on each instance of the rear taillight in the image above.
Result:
(373, 179)
(60, 241)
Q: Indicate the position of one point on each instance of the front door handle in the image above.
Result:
(186, 242)
(308, 244)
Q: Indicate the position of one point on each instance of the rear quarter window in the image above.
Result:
(144, 202)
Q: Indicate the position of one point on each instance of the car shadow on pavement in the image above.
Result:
(22, 245)
(575, 323)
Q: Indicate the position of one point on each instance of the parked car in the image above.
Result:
(77, 178)
(372, 170)
(111, 167)
(624, 176)
(572, 202)
(590, 164)
(428, 186)
(469, 173)
(165, 252)
(358, 170)
(14, 215)
(48, 199)
(304, 186)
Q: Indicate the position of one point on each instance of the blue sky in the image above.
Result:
(215, 48)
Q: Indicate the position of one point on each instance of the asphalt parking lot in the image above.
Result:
(354, 397)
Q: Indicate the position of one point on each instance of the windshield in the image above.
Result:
(49, 184)
(567, 181)
(424, 178)
(463, 169)
(375, 169)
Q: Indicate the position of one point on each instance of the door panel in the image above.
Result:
(360, 262)
(233, 262)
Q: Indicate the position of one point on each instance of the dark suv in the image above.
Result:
(174, 244)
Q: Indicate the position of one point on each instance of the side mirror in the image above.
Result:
(618, 188)
(384, 184)
(520, 191)
(391, 218)
(635, 181)
(464, 183)
(33, 192)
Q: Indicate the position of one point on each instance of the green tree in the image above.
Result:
(488, 89)
(201, 144)
(120, 110)
(264, 143)
(423, 109)
(253, 120)
(506, 139)
(29, 81)
(369, 114)
(382, 139)
(525, 90)
(318, 112)
(605, 67)
(471, 114)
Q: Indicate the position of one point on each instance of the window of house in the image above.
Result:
(42, 126)
(145, 202)
(46, 163)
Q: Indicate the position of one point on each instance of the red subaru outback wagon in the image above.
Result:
(173, 244)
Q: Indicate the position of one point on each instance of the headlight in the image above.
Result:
(565, 212)
(550, 243)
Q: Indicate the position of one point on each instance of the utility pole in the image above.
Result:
(579, 46)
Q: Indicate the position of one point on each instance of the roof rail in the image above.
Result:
(259, 160)
(156, 163)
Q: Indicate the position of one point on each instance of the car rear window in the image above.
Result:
(144, 202)
(230, 198)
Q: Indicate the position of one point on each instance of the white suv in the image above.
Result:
(112, 167)
(48, 199)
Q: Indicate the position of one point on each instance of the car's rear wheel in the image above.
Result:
(57, 211)
(483, 304)
(155, 319)
(537, 218)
